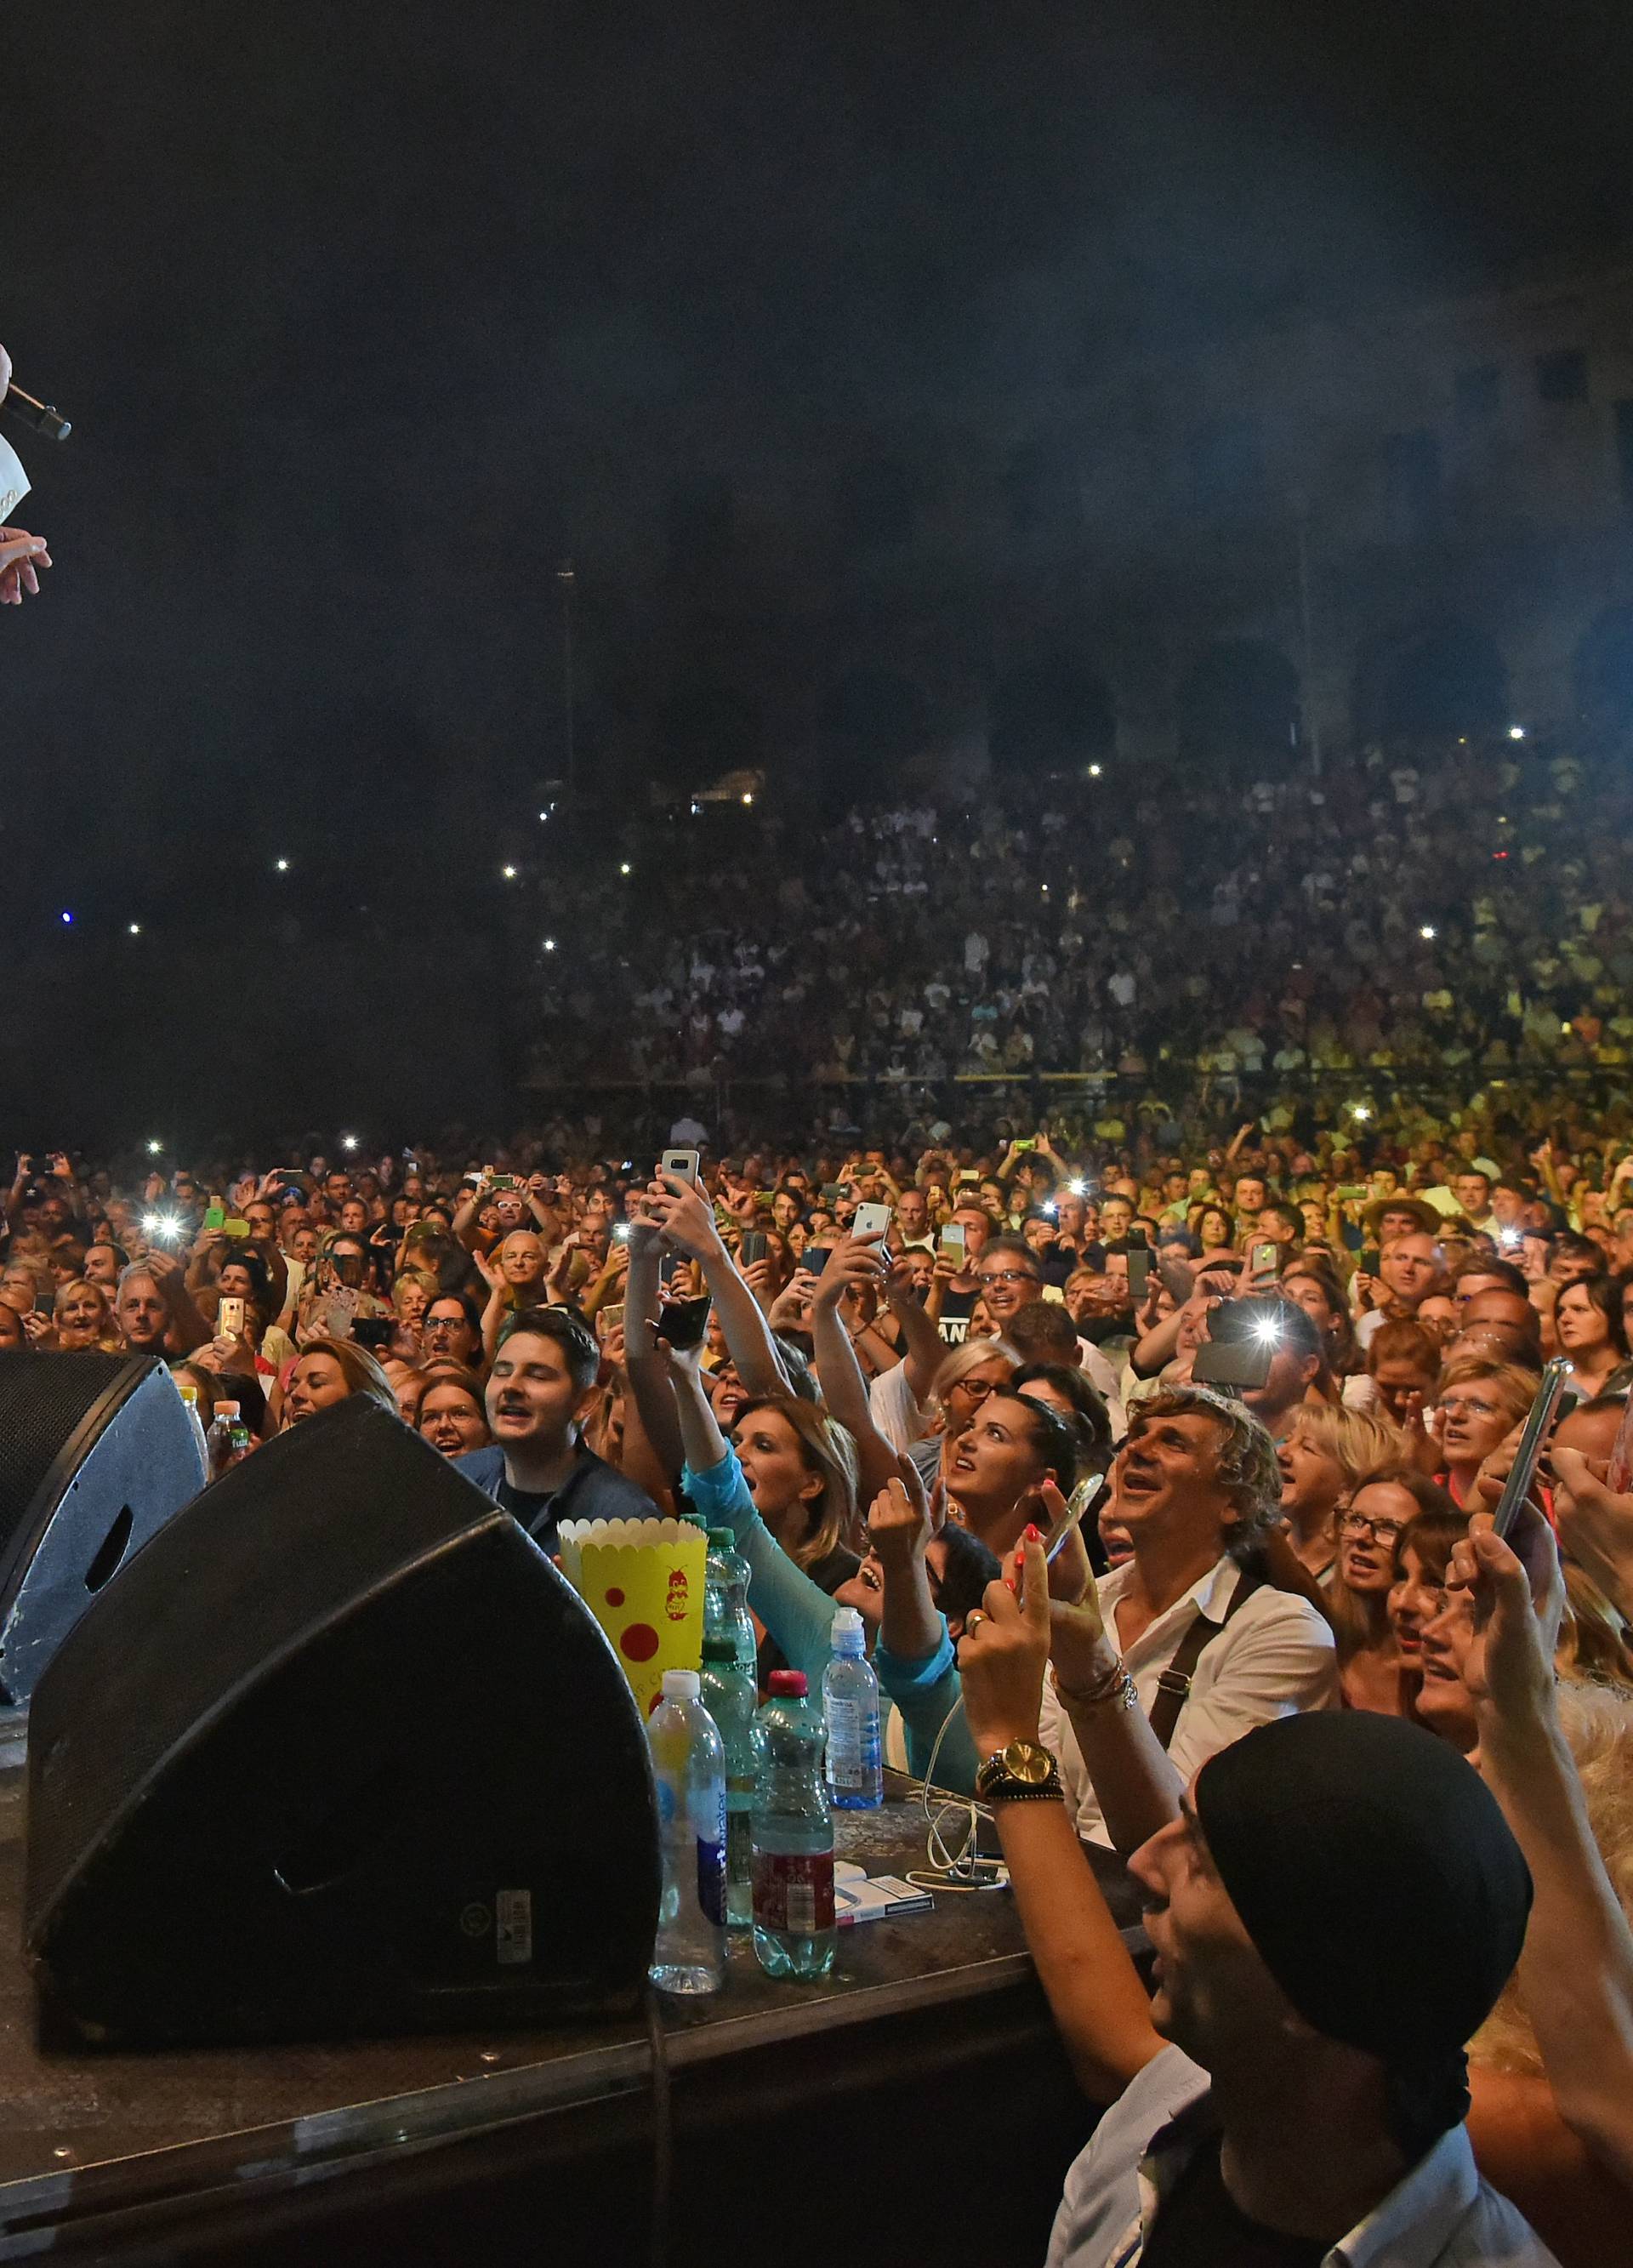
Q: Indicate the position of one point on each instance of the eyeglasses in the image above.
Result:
(1387, 1532)
(1004, 1275)
(974, 1389)
(1467, 1404)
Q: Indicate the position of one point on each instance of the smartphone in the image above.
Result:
(1246, 1363)
(338, 1311)
(815, 1257)
(681, 1164)
(753, 1246)
(1176, 1277)
(871, 1220)
(950, 1242)
(1371, 1260)
(1261, 1257)
(375, 1332)
(683, 1322)
(1030, 1143)
(1139, 1274)
(1522, 1472)
(229, 1316)
(609, 1319)
(621, 1232)
(215, 1217)
(967, 1173)
(504, 1182)
(1076, 1504)
(831, 1192)
(236, 1227)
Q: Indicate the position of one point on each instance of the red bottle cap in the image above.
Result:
(790, 1682)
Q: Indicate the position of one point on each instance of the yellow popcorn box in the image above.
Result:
(643, 1580)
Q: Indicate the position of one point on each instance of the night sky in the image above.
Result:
(343, 299)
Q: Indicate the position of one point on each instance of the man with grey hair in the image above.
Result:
(1185, 1645)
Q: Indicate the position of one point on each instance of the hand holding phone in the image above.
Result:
(682, 1164)
(871, 1220)
(1522, 1472)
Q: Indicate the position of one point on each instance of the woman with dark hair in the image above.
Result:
(1587, 1322)
(1318, 1292)
(1212, 1228)
(1012, 1446)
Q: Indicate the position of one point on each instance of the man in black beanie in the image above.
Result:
(1334, 1912)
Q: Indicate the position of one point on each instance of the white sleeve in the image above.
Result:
(1271, 1662)
(896, 1411)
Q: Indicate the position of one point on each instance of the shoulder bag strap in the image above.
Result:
(1174, 1685)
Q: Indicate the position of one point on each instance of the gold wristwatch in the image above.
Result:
(1022, 1772)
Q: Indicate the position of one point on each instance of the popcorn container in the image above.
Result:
(643, 1580)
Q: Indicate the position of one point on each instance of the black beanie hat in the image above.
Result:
(1375, 1875)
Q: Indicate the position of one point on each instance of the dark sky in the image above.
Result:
(343, 297)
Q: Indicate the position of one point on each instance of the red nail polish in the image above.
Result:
(1008, 1582)
(1034, 1534)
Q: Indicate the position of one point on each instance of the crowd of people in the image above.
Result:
(1458, 922)
(1279, 1661)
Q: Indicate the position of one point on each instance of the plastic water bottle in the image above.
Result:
(688, 1764)
(794, 1932)
(726, 1597)
(219, 1442)
(856, 1773)
(729, 1697)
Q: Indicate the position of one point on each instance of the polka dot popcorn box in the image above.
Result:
(643, 1580)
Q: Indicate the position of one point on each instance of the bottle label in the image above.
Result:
(794, 1891)
(853, 1759)
(709, 1824)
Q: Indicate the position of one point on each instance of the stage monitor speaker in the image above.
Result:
(97, 1452)
(340, 1753)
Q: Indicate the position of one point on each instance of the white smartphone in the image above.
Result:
(871, 1220)
(682, 1164)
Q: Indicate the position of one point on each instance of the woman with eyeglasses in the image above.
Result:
(1374, 1670)
(1480, 1401)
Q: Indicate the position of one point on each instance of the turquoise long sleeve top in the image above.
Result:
(800, 1615)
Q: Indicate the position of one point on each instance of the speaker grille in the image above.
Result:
(43, 1398)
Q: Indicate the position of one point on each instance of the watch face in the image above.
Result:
(1025, 1761)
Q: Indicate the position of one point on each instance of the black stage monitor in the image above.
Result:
(340, 1753)
(97, 1451)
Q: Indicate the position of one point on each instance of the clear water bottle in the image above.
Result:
(729, 1697)
(689, 1765)
(726, 1597)
(793, 1830)
(218, 1441)
(854, 1768)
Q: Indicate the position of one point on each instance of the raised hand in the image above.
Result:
(1001, 1656)
(898, 1524)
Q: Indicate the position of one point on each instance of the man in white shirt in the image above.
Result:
(1198, 1488)
(1295, 2090)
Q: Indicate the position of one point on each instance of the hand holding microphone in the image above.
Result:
(21, 553)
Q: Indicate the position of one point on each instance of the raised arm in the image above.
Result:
(844, 1389)
(1575, 1973)
(923, 1348)
(683, 1213)
(1095, 1993)
(648, 1371)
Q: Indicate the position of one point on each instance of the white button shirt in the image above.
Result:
(1439, 2215)
(1272, 1659)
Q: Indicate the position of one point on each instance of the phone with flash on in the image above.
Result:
(680, 1165)
(1528, 1455)
(230, 1317)
(871, 1220)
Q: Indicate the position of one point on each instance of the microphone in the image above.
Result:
(38, 416)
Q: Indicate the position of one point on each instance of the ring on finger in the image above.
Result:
(974, 1619)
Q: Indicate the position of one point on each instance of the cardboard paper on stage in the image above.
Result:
(643, 1580)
